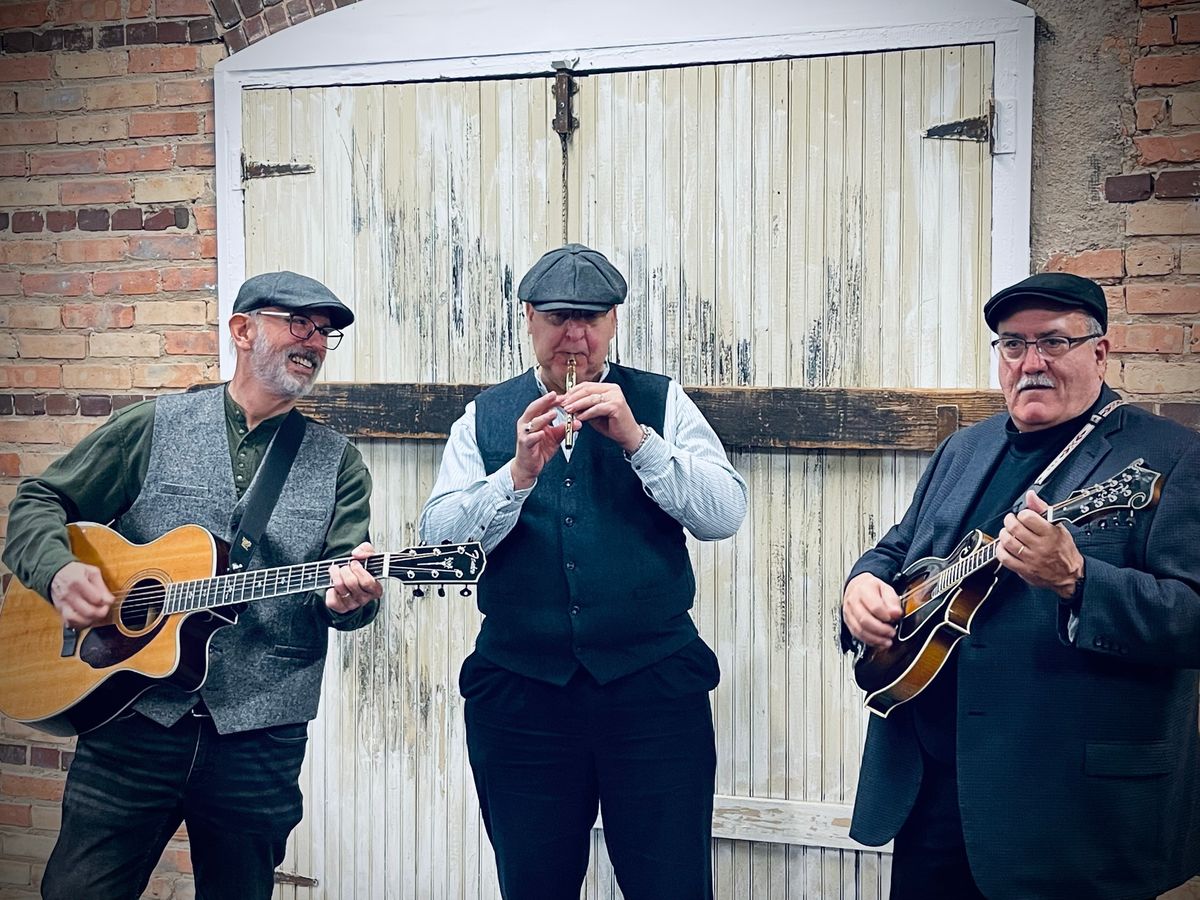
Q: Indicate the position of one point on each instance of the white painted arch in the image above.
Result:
(382, 41)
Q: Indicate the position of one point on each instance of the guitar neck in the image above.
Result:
(978, 558)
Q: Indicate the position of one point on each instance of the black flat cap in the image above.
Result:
(297, 293)
(573, 277)
(1057, 287)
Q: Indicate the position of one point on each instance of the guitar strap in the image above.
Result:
(265, 490)
(1089, 426)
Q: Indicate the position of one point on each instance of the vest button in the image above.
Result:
(569, 482)
(570, 565)
(569, 521)
(575, 610)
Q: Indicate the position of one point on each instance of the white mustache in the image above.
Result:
(1035, 379)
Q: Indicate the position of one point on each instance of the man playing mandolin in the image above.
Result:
(224, 759)
(1055, 752)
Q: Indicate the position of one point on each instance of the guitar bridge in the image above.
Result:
(70, 642)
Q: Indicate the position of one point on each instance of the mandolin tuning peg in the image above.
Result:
(417, 592)
(465, 592)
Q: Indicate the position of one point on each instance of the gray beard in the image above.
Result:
(270, 366)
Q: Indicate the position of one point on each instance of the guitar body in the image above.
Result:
(64, 681)
(932, 626)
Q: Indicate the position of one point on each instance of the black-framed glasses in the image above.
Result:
(584, 317)
(1050, 347)
(303, 327)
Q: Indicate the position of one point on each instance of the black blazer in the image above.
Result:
(1077, 761)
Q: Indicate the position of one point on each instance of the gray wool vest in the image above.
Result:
(594, 573)
(266, 669)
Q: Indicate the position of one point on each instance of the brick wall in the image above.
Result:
(107, 245)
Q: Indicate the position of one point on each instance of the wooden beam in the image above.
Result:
(745, 418)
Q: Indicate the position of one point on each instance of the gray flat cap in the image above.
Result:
(297, 293)
(573, 277)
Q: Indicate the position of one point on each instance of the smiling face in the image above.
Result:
(1041, 393)
(555, 340)
(287, 365)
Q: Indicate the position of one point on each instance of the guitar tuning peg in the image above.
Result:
(465, 592)
(417, 592)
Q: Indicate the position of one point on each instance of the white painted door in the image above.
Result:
(781, 223)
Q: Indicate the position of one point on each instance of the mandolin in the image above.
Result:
(941, 595)
(170, 599)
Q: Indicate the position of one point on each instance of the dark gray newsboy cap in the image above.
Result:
(573, 277)
(1057, 287)
(297, 293)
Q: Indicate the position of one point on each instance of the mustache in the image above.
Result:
(1035, 379)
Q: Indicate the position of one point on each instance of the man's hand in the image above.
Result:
(537, 440)
(1044, 555)
(352, 586)
(871, 609)
(80, 595)
(604, 405)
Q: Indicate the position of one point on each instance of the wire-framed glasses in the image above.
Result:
(1050, 347)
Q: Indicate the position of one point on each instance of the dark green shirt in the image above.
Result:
(102, 475)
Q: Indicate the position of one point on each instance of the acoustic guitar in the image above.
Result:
(171, 597)
(941, 595)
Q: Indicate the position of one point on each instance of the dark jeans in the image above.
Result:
(545, 757)
(132, 782)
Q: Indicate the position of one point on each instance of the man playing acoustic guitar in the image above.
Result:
(224, 759)
(1055, 753)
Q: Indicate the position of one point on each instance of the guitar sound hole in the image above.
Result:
(142, 606)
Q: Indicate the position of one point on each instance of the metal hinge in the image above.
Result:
(253, 169)
(996, 128)
(564, 88)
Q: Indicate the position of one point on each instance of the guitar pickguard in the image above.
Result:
(106, 645)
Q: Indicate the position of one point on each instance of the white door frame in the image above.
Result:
(383, 41)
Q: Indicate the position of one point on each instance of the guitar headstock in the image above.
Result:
(440, 564)
(1134, 487)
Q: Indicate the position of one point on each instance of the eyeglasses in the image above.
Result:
(302, 327)
(1050, 347)
(584, 317)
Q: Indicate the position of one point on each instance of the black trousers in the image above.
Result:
(132, 782)
(641, 749)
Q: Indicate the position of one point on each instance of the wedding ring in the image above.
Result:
(1020, 549)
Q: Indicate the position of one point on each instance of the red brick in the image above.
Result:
(191, 343)
(122, 94)
(206, 217)
(140, 9)
(161, 124)
(1107, 263)
(10, 284)
(163, 59)
(129, 219)
(95, 405)
(8, 102)
(184, 246)
(1176, 148)
(1165, 217)
(10, 466)
(30, 377)
(93, 220)
(135, 281)
(27, 222)
(28, 131)
(1166, 70)
(25, 253)
(1149, 259)
(173, 375)
(1150, 113)
(59, 220)
(97, 250)
(65, 162)
(61, 405)
(25, 68)
(1146, 338)
(45, 757)
(59, 284)
(97, 316)
(19, 814)
(1187, 27)
(197, 278)
(186, 92)
(172, 8)
(1156, 31)
(1177, 183)
(24, 15)
(79, 193)
(1163, 298)
(195, 154)
(14, 164)
(87, 11)
(94, 377)
(1184, 413)
(153, 158)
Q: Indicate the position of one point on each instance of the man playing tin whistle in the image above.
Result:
(588, 687)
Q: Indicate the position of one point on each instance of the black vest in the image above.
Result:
(594, 573)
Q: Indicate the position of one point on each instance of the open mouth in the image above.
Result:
(303, 361)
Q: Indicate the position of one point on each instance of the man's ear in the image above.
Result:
(529, 318)
(241, 330)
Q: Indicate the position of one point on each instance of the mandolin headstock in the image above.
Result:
(1134, 487)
